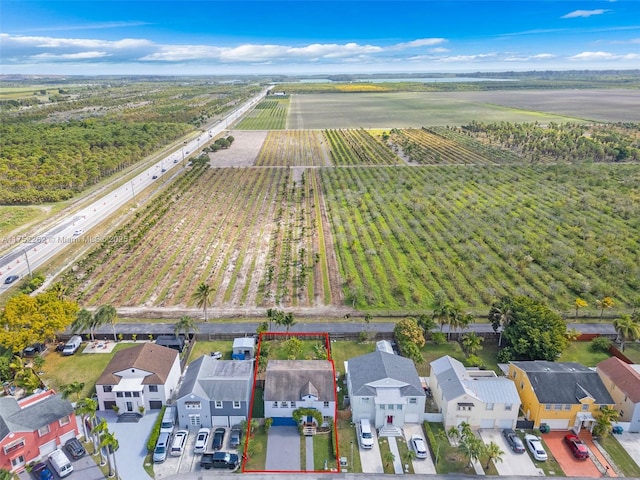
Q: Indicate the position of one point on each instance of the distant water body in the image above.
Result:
(416, 80)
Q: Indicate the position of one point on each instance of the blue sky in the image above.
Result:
(315, 37)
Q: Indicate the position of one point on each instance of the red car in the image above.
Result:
(578, 448)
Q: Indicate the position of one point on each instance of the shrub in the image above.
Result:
(600, 344)
(155, 432)
(473, 361)
(439, 338)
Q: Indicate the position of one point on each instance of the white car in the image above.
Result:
(78, 232)
(535, 447)
(201, 440)
(419, 446)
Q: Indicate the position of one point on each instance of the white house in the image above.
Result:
(293, 384)
(384, 388)
(146, 375)
(477, 397)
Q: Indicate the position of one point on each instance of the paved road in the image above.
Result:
(33, 251)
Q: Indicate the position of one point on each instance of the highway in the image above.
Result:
(34, 251)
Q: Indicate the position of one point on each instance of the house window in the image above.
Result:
(489, 406)
(622, 413)
(413, 401)
(16, 462)
(325, 404)
(194, 420)
(508, 407)
(153, 388)
(192, 405)
(236, 404)
(567, 407)
(557, 407)
(42, 431)
(465, 407)
(127, 394)
(547, 406)
(585, 407)
(64, 421)
(293, 404)
(136, 394)
(119, 394)
(13, 446)
(218, 404)
(398, 407)
(514, 374)
(364, 399)
(390, 407)
(380, 407)
(275, 405)
(284, 404)
(521, 385)
(107, 388)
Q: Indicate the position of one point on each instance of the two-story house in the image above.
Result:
(293, 384)
(215, 393)
(477, 397)
(33, 427)
(562, 395)
(385, 389)
(145, 375)
(623, 383)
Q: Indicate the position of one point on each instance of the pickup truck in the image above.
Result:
(219, 460)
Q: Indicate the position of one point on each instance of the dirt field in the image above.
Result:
(404, 110)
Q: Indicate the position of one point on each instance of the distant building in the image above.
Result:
(622, 381)
(33, 427)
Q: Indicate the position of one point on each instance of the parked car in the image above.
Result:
(216, 355)
(72, 345)
(219, 460)
(218, 438)
(419, 446)
(42, 472)
(11, 279)
(162, 445)
(155, 177)
(33, 350)
(577, 446)
(75, 448)
(513, 440)
(201, 440)
(179, 442)
(535, 447)
(236, 436)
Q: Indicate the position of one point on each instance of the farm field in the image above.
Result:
(269, 114)
(293, 148)
(408, 110)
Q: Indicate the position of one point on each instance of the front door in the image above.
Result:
(390, 419)
(129, 407)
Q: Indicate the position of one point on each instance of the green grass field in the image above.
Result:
(581, 352)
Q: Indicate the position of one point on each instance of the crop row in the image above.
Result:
(270, 114)
(466, 140)
(358, 147)
(477, 233)
(292, 148)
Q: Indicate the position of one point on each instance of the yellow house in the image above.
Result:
(561, 395)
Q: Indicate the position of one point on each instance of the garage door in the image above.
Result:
(556, 424)
(109, 404)
(412, 418)
(155, 404)
(47, 448)
(222, 421)
(236, 419)
(487, 423)
(505, 423)
(67, 436)
(283, 422)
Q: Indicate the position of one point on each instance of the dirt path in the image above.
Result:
(331, 311)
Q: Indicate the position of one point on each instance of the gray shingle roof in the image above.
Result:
(379, 365)
(31, 417)
(564, 382)
(223, 380)
(288, 379)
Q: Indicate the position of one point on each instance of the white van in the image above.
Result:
(60, 463)
(366, 438)
(168, 420)
(72, 345)
(179, 441)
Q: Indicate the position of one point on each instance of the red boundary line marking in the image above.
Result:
(327, 341)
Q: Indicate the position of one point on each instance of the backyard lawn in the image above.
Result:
(341, 351)
(632, 350)
(206, 347)
(581, 352)
(432, 351)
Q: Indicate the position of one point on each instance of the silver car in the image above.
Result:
(419, 446)
(535, 447)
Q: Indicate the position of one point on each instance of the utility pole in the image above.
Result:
(28, 266)
(133, 195)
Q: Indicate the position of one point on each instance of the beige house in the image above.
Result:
(623, 383)
(477, 397)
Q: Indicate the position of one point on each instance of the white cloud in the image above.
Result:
(585, 13)
(468, 58)
(605, 56)
(70, 56)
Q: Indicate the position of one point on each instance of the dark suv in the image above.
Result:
(219, 460)
(75, 448)
(513, 440)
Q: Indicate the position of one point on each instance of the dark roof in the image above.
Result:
(623, 376)
(223, 380)
(379, 365)
(564, 382)
(290, 379)
(32, 417)
(156, 359)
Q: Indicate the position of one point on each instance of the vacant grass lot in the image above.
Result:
(581, 352)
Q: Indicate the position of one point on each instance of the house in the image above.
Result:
(243, 348)
(33, 427)
(477, 397)
(622, 381)
(293, 384)
(215, 393)
(145, 375)
(562, 395)
(384, 388)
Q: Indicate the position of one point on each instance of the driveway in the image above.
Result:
(132, 438)
(631, 443)
(370, 458)
(420, 465)
(85, 468)
(283, 449)
(571, 466)
(512, 463)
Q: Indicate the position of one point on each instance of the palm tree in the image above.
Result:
(627, 328)
(6, 474)
(108, 314)
(453, 434)
(97, 431)
(500, 316)
(607, 416)
(202, 296)
(471, 447)
(60, 290)
(85, 408)
(606, 302)
(85, 321)
(441, 310)
(109, 442)
(288, 320)
(185, 324)
(426, 323)
(72, 388)
(457, 319)
(388, 458)
(408, 456)
(493, 452)
(471, 343)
